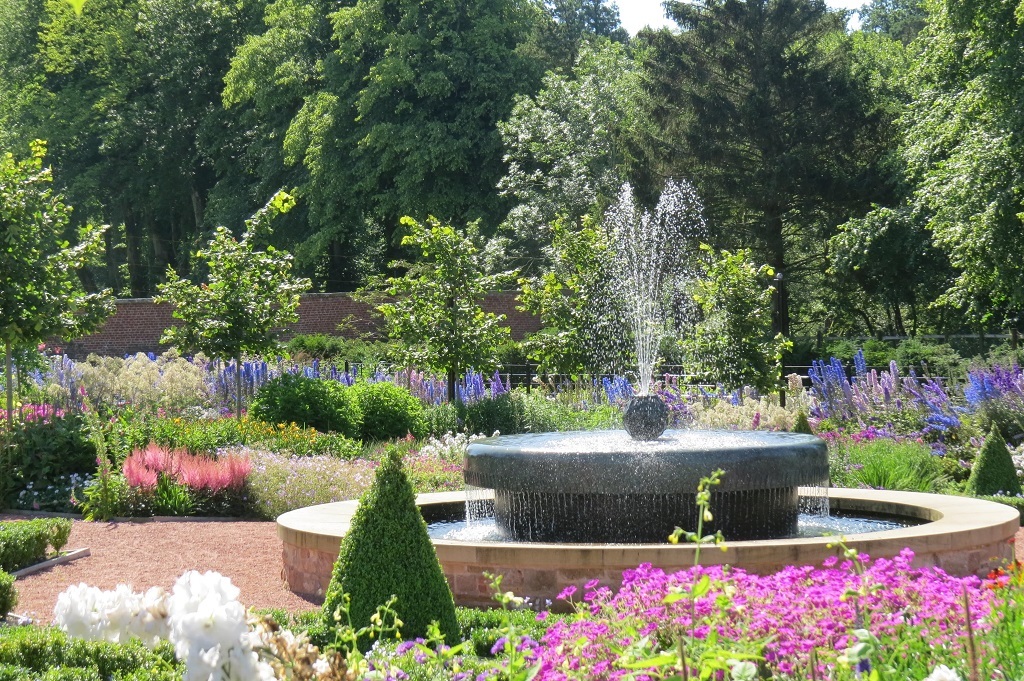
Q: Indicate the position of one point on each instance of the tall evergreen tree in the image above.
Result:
(757, 105)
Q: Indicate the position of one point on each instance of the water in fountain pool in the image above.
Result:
(810, 525)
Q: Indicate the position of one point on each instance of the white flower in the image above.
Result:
(943, 673)
(742, 671)
(77, 612)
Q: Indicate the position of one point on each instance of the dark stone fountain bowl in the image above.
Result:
(603, 486)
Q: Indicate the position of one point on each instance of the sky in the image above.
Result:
(635, 14)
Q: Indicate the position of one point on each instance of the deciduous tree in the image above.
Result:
(248, 295)
(40, 293)
(435, 309)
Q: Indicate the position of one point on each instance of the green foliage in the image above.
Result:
(993, 472)
(248, 296)
(24, 542)
(887, 464)
(386, 553)
(802, 425)
(32, 653)
(389, 411)
(435, 309)
(505, 414)
(404, 113)
(962, 151)
(441, 418)
(732, 344)
(567, 146)
(41, 296)
(8, 594)
(574, 302)
(337, 349)
(325, 405)
(40, 451)
(888, 256)
(725, 86)
(485, 627)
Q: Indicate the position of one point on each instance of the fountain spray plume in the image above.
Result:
(655, 256)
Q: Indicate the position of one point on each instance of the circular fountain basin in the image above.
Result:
(603, 486)
(961, 535)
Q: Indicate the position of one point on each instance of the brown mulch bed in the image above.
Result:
(156, 553)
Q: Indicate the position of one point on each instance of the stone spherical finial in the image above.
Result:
(646, 417)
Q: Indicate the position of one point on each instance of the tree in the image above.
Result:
(888, 256)
(757, 105)
(572, 24)
(900, 20)
(733, 343)
(248, 296)
(567, 147)
(128, 95)
(40, 293)
(581, 325)
(406, 118)
(963, 151)
(435, 313)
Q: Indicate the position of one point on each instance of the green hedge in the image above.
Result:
(24, 542)
(31, 653)
(325, 405)
(389, 411)
(485, 627)
(8, 594)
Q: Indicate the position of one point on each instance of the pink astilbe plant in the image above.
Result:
(198, 472)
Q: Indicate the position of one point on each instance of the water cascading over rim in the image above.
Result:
(601, 486)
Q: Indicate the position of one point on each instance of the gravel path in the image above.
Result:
(156, 553)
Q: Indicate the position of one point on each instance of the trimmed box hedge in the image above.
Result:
(25, 542)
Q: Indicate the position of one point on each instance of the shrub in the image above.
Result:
(389, 411)
(41, 451)
(505, 413)
(325, 405)
(169, 381)
(931, 359)
(33, 653)
(387, 552)
(887, 464)
(993, 472)
(485, 627)
(8, 594)
(440, 419)
(24, 542)
(802, 425)
(337, 349)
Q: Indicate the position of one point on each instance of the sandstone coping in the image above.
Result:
(962, 536)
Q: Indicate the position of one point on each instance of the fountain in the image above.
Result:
(571, 507)
(602, 486)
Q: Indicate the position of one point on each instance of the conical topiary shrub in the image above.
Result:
(993, 471)
(387, 552)
(802, 425)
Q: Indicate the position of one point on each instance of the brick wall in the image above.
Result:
(137, 324)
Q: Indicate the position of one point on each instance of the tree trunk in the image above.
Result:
(453, 373)
(777, 255)
(137, 274)
(897, 316)
(238, 388)
(8, 387)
